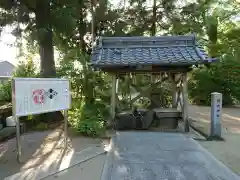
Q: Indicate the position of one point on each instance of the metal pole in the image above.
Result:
(18, 138)
(65, 113)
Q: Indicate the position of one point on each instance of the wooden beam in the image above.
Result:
(185, 102)
(144, 93)
(118, 103)
(174, 91)
(117, 85)
(179, 98)
(126, 69)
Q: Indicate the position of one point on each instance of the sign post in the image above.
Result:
(216, 115)
(32, 96)
(65, 113)
(18, 138)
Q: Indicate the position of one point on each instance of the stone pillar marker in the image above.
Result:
(216, 115)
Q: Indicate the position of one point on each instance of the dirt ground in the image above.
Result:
(43, 149)
(90, 170)
(226, 151)
(230, 120)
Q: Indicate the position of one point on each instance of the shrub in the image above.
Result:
(24, 69)
(88, 119)
(223, 77)
(6, 92)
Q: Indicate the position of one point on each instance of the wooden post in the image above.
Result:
(117, 85)
(113, 98)
(174, 91)
(185, 102)
(129, 90)
(117, 102)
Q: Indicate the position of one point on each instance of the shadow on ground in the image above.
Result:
(41, 150)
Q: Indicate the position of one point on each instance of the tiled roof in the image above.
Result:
(162, 50)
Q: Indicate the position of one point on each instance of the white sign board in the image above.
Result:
(40, 95)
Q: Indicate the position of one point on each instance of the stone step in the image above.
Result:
(10, 132)
(167, 113)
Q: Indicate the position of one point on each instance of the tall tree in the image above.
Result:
(37, 16)
(154, 18)
(45, 37)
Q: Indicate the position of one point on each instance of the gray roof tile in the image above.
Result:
(162, 50)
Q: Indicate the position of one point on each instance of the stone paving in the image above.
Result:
(160, 156)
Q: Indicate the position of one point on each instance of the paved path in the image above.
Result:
(160, 156)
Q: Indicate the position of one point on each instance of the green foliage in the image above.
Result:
(89, 119)
(6, 92)
(201, 85)
(89, 91)
(24, 69)
(223, 77)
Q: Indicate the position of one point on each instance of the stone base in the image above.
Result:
(171, 123)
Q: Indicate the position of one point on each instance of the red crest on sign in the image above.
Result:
(38, 96)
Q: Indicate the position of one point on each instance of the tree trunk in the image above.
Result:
(45, 38)
(45, 42)
(154, 18)
(93, 23)
(89, 87)
(153, 33)
(81, 26)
